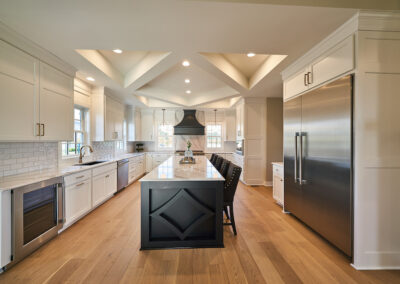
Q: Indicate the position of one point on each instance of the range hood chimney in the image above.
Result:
(189, 124)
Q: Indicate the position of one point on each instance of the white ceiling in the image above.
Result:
(247, 65)
(125, 61)
(178, 30)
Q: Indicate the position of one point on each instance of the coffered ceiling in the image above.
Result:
(156, 36)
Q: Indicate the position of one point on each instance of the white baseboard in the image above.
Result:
(375, 267)
(268, 183)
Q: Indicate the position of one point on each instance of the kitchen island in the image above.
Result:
(181, 205)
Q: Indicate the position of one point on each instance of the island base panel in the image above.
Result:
(181, 214)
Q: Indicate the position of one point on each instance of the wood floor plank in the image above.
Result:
(271, 247)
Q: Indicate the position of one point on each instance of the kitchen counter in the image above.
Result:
(15, 181)
(171, 170)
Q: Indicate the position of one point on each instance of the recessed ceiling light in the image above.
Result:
(119, 51)
(186, 63)
(188, 91)
(90, 79)
(187, 81)
(251, 54)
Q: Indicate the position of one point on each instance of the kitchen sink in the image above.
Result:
(90, 163)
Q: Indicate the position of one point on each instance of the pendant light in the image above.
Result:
(215, 117)
(163, 116)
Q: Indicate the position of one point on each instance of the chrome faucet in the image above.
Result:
(81, 152)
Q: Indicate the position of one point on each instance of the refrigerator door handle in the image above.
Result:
(301, 180)
(295, 156)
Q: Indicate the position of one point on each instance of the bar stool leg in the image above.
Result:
(232, 218)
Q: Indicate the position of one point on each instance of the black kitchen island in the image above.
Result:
(181, 205)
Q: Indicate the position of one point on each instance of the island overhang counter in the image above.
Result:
(181, 205)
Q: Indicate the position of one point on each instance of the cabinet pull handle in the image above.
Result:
(80, 177)
(107, 176)
(42, 129)
(78, 185)
(38, 132)
(309, 78)
(305, 79)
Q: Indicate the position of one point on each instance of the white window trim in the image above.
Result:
(222, 137)
(167, 149)
(85, 127)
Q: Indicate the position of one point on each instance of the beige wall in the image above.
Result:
(274, 134)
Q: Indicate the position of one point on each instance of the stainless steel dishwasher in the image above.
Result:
(123, 174)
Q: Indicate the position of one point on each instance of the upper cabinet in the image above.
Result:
(147, 125)
(331, 64)
(36, 101)
(240, 121)
(56, 104)
(114, 119)
(230, 125)
(107, 117)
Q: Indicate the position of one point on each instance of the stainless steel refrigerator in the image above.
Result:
(318, 161)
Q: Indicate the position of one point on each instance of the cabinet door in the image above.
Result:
(19, 99)
(239, 130)
(109, 131)
(295, 84)
(110, 183)
(98, 190)
(147, 125)
(149, 163)
(77, 200)
(335, 62)
(230, 126)
(56, 104)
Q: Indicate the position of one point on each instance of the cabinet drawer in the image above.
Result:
(104, 169)
(78, 177)
(278, 170)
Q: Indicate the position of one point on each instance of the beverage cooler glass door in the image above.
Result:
(37, 214)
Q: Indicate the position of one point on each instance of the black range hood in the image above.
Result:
(189, 124)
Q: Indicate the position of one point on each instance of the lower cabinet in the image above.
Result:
(78, 200)
(104, 186)
(277, 183)
(137, 167)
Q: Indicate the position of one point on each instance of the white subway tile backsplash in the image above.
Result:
(23, 157)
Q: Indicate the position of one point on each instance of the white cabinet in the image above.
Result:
(230, 125)
(147, 125)
(106, 117)
(331, 64)
(29, 112)
(335, 62)
(78, 200)
(153, 160)
(277, 183)
(296, 84)
(19, 99)
(114, 119)
(6, 246)
(56, 104)
(104, 183)
(240, 121)
(137, 167)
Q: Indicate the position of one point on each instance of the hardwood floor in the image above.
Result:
(271, 247)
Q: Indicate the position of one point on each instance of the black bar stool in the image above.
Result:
(230, 185)
(218, 163)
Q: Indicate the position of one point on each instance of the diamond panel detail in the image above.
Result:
(182, 225)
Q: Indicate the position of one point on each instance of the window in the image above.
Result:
(214, 136)
(165, 137)
(72, 148)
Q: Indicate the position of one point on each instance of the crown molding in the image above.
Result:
(17, 40)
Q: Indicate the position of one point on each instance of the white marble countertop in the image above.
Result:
(15, 181)
(171, 170)
(278, 163)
